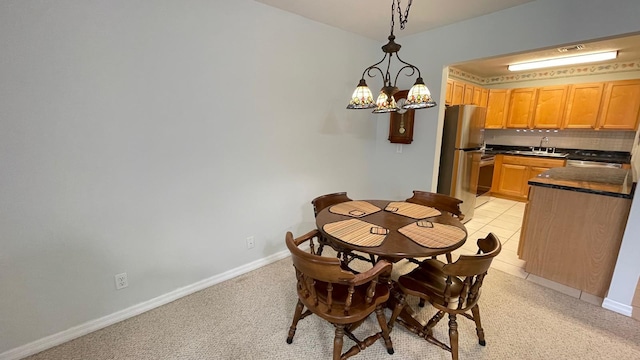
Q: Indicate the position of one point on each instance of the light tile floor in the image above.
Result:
(504, 218)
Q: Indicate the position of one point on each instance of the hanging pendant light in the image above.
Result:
(419, 96)
(386, 102)
(362, 97)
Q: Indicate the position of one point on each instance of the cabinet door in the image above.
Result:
(621, 105)
(449, 93)
(468, 94)
(512, 179)
(550, 106)
(484, 97)
(458, 93)
(521, 107)
(497, 104)
(583, 106)
(477, 92)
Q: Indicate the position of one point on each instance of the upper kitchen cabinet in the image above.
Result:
(497, 103)
(468, 94)
(462, 93)
(583, 106)
(522, 103)
(550, 106)
(621, 105)
(457, 96)
(484, 97)
(449, 94)
(477, 93)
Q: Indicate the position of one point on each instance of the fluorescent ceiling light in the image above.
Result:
(569, 60)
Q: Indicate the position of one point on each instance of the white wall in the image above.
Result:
(534, 25)
(153, 137)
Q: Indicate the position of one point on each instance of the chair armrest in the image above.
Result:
(311, 234)
(382, 267)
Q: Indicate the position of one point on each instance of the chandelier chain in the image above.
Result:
(403, 19)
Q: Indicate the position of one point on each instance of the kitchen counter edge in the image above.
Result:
(608, 182)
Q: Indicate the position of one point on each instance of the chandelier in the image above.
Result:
(418, 97)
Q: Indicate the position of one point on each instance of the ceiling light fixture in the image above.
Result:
(418, 97)
(569, 60)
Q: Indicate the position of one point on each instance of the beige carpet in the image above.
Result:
(248, 318)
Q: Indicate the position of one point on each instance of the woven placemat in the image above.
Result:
(433, 235)
(414, 211)
(354, 208)
(356, 232)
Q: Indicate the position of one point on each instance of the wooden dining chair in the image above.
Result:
(439, 201)
(340, 297)
(322, 202)
(453, 289)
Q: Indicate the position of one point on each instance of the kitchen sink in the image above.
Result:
(537, 153)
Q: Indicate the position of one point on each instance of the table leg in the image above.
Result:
(403, 313)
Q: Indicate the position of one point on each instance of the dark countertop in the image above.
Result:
(617, 157)
(602, 181)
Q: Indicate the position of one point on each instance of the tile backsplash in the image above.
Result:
(565, 139)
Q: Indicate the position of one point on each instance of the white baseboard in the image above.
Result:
(620, 308)
(97, 324)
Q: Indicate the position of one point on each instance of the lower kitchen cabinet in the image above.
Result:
(511, 174)
(513, 178)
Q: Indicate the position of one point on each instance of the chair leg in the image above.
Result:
(400, 304)
(385, 330)
(476, 317)
(296, 317)
(453, 336)
(337, 342)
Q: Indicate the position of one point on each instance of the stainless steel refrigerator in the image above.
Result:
(462, 139)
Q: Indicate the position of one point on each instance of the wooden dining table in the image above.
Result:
(394, 244)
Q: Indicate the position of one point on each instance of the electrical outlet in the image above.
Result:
(399, 148)
(121, 281)
(251, 242)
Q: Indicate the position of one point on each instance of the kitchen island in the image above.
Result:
(573, 225)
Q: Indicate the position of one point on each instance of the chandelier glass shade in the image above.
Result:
(362, 97)
(385, 103)
(419, 96)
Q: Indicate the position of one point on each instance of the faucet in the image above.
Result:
(544, 140)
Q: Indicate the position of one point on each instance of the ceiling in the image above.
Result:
(374, 23)
(628, 50)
